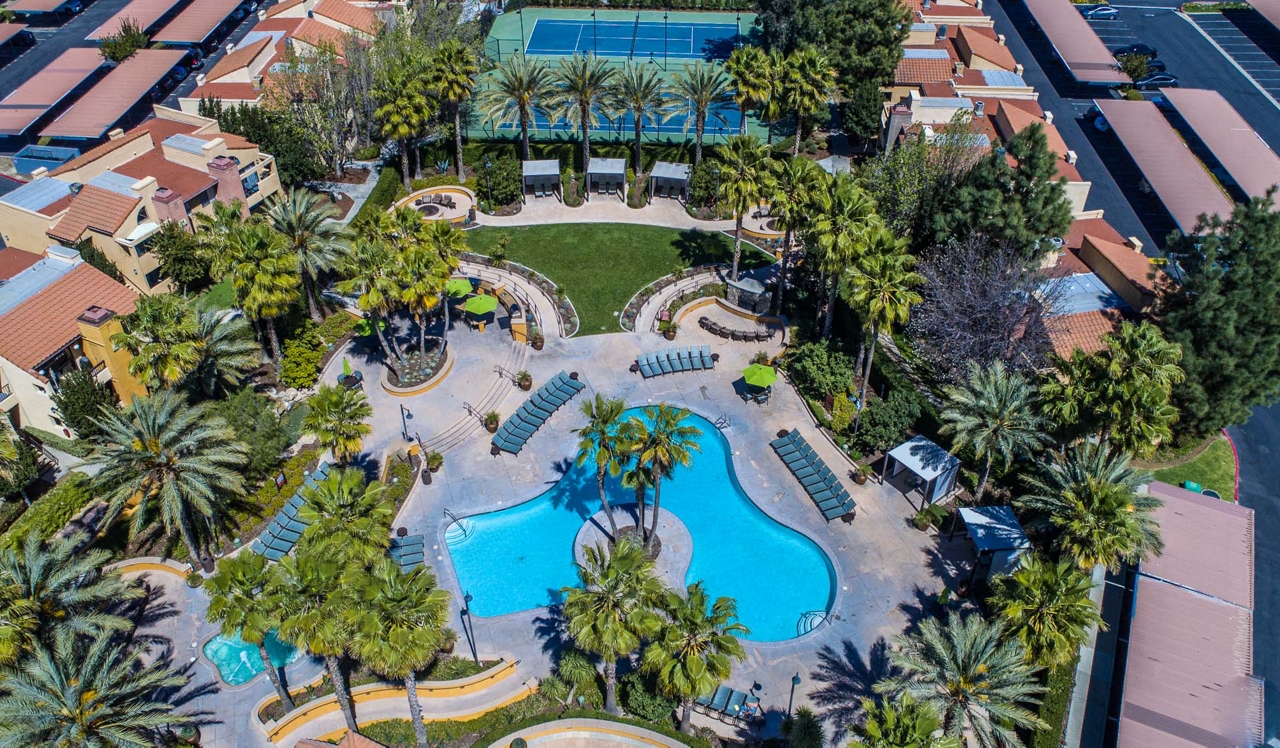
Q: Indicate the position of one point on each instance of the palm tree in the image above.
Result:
(695, 648)
(308, 224)
(880, 286)
(227, 351)
(662, 443)
(371, 275)
(807, 79)
(337, 419)
(422, 285)
(397, 621)
(803, 729)
(1141, 370)
(791, 202)
(313, 613)
(96, 693)
(1089, 495)
(904, 724)
(582, 86)
(749, 70)
(698, 92)
(611, 610)
(264, 272)
(602, 442)
(448, 242)
(971, 675)
(452, 78)
(637, 476)
(517, 93)
(172, 458)
(213, 228)
(640, 91)
(842, 217)
(162, 337)
(403, 109)
(1046, 606)
(348, 516)
(993, 413)
(51, 591)
(774, 107)
(239, 603)
(748, 177)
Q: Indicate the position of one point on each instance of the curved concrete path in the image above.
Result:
(663, 212)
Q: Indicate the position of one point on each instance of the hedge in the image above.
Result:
(383, 195)
(51, 512)
(81, 449)
(1054, 706)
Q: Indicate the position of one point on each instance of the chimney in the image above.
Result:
(942, 32)
(899, 118)
(256, 82)
(1017, 68)
(979, 109)
(97, 325)
(1072, 157)
(927, 4)
(230, 188)
(169, 207)
(959, 68)
(39, 172)
(201, 78)
(1135, 244)
(1000, 38)
(231, 47)
(262, 15)
(1048, 118)
(115, 134)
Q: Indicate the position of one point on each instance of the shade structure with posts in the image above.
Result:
(997, 535)
(933, 469)
(457, 287)
(542, 178)
(669, 180)
(608, 176)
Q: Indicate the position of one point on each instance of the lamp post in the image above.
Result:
(795, 681)
(405, 415)
(664, 40)
(469, 631)
(488, 189)
(523, 39)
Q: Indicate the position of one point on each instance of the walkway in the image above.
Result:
(663, 212)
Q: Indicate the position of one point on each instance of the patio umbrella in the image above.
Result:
(759, 375)
(457, 287)
(479, 305)
(346, 367)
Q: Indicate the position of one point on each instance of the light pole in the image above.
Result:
(664, 40)
(488, 190)
(469, 631)
(795, 681)
(523, 39)
(405, 415)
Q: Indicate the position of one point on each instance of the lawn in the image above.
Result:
(1215, 469)
(601, 266)
(218, 296)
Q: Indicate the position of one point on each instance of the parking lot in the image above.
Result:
(1249, 40)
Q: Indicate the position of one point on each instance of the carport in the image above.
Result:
(1174, 173)
(1246, 158)
(111, 99)
(1268, 9)
(669, 180)
(933, 469)
(196, 23)
(1075, 42)
(145, 13)
(47, 88)
(38, 7)
(607, 176)
(543, 177)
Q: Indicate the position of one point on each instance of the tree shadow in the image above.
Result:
(552, 628)
(148, 610)
(924, 604)
(847, 679)
(697, 247)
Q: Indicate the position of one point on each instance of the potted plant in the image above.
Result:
(491, 421)
(194, 580)
(448, 639)
(929, 516)
(536, 338)
(860, 473)
(668, 328)
(434, 461)
(525, 380)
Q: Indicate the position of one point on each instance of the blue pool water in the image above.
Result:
(239, 662)
(518, 558)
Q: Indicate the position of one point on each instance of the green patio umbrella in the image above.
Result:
(457, 287)
(481, 304)
(759, 375)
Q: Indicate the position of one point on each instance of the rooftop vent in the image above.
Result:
(942, 31)
(96, 315)
(979, 108)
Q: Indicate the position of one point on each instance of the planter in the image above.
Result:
(669, 334)
(492, 428)
(538, 343)
(526, 385)
(860, 478)
(436, 469)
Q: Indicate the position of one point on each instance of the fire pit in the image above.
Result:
(429, 211)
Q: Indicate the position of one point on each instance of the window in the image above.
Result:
(142, 214)
(154, 278)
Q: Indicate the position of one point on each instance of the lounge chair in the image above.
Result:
(523, 430)
(273, 554)
(802, 456)
(664, 363)
(538, 410)
(707, 361)
(785, 441)
(817, 479)
(274, 543)
(704, 322)
(257, 547)
(284, 533)
(506, 444)
(734, 706)
(682, 356)
(826, 494)
(720, 698)
(837, 512)
(806, 471)
(410, 561)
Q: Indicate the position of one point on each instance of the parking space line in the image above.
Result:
(1265, 92)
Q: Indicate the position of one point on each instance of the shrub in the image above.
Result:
(843, 414)
(818, 371)
(368, 152)
(24, 469)
(572, 189)
(123, 44)
(399, 481)
(640, 696)
(383, 194)
(300, 364)
(81, 449)
(254, 420)
(51, 512)
(500, 183)
(450, 667)
(1053, 707)
(702, 185)
(884, 423)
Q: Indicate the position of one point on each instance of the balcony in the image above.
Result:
(7, 400)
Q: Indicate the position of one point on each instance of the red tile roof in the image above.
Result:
(919, 70)
(14, 261)
(282, 6)
(94, 208)
(319, 35)
(352, 16)
(46, 323)
(1083, 331)
(1096, 227)
(183, 180)
(93, 154)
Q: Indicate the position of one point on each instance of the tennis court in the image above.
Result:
(632, 39)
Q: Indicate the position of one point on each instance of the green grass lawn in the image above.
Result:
(1215, 469)
(601, 266)
(218, 296)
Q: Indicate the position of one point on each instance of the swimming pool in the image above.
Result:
(239, 662)
(518, 558)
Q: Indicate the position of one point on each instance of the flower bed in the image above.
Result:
(632, 310)
(564, 307)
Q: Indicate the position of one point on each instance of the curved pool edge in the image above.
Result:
(303, 657)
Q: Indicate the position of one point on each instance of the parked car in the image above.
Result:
(1156, 80)
(1099, 12)
(193, 59)
(1135, 49)
(1157, 66)
(178, 74)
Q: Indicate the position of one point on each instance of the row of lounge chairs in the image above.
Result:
(444, 201)
(407, 551)
(749, 336)
(726, 702)
(675, 360)
(522, 424)
(287, 526)
(819, 482)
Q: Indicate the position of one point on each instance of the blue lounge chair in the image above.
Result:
(533, 409)
(806, 471)
(554, 396)
(272, 554)
(574, 384)
(720, 698)
(836, 512)
(289, 536)
(734, 707)
(803, 455)
(645, 370)
(824, 495)
(818, 481)
(682, 356)
(322, 471)
(293, 523)
(521, 430)
(530, 417)
(507, 444)
(784, 445)
(707, 361)
(257, 547)
(664, 364)
(274, 543)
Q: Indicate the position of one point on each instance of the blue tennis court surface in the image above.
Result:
(641, 39)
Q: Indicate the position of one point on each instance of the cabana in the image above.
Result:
(669, 180)
(543, 177)
(607, 175)
(933, 469)
(998, 537)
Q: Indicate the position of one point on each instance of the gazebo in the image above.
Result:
(998, 537)
(607, 175)
(933, 469)
(543, 177)
(669, 180)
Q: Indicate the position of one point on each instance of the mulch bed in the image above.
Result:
(354, 175)
(343, 205)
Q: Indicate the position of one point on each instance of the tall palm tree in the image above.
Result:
(698, 92)
(774, 107)
(161, 334)
(611, 610)
(51, 591)
(371, 275)
(602, 442)
(807, 79)
(748, 176)
(640, 91)
(337, 419)
(1141, 370)
(994, 413)
(171, 458)
(662, 440)
(901, 724)
(227, 351)
(749, 70)
(517, 94)
(695, 647)
(308, 224)
(448, 242)
(1089, 495)
(451, 78)
(637, 476)
(799, 182)
(397, 621)
(403, 109)
(880, 285)
(422, 285)
(213, 228)
(240, 604)
(842, 217)
(95, 693)
(264, 272)
(313, 614)
(972, 675)
(581, 92)
(1046, 605)
(349, 517)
